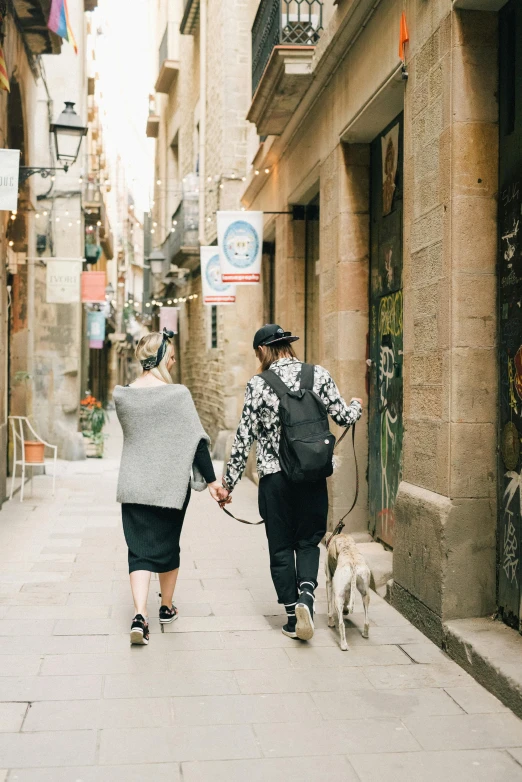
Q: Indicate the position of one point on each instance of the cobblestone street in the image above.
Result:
(221, 695)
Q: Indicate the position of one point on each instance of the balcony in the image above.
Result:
(168, 66)
(284, 35)
(183, 240)
(31, 17)
(190, 17)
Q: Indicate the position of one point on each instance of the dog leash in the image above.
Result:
(340, 524)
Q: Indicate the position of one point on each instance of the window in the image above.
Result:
(213, 327)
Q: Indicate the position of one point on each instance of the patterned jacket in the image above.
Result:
(260, 417)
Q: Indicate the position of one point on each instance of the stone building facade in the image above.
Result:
(400, 300)
(201, 161)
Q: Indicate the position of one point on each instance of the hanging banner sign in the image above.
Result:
(240, 239)
(215, 291)
(9, 168)
(96, 329)
(93, 287)
(63, 281)
(169, 319)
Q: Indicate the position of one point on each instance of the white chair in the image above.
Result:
(17, 428)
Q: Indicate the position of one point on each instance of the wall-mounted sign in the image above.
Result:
(96, 329)
(215, 291)
(240, 239)
(169, 319)
(93, 287)
(9, 167)
(63, 280)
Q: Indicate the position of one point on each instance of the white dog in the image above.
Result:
(346, 571)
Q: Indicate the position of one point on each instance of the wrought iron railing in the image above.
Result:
(185, 220)
(283, 22)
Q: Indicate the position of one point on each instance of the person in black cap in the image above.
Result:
(295, 514)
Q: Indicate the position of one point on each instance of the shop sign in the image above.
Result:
(63, 280)
(215, 291)
(240, 240)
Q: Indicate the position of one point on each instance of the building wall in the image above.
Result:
(444, 555)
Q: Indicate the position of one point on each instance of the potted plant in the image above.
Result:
(92, 420)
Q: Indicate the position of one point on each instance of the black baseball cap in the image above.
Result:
(271, 334)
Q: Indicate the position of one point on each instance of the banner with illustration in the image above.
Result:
(240, 240)
(63, 280)
(215, 291)
(96, 329)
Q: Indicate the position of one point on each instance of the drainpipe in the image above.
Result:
(202, 114)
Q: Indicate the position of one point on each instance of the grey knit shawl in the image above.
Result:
(161, 431)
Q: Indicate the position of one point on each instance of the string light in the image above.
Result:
(98, 223)
(147, 304)
(11, 243)
(158, 182)
(155, 225)
(256, 172)
(37, 216)
(80, 180)
(243, 178)
(45, 214)
(267, 170)
(78, 222)
(152, 230)
(57, 219)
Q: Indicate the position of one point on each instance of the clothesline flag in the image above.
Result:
(59, 22)
(215, 291)
(240, 240)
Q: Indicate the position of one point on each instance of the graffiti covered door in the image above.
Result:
(386, 330)
(510, 321)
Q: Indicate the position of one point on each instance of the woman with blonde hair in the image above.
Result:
(165, 454)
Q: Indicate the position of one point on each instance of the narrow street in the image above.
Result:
(221, 695)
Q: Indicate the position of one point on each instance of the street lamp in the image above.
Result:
(156, 262)
(68, 132)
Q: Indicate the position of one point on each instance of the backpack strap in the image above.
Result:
(307, 376)
(275, 383)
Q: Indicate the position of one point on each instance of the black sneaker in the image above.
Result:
(139, 633)
(289, 628)
(304, 612)
(167, 615)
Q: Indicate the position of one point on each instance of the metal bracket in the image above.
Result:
(27, 171)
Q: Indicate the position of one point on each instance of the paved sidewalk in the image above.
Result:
(221, 695)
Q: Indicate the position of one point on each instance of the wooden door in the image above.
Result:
(510, 310)
(386, 330)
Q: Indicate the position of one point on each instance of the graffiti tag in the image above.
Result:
(390, 314)
(510, 563)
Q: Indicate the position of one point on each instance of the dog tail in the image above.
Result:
(353, 587)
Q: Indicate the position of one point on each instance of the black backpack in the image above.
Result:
(307, 445)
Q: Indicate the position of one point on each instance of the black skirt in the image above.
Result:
(152, 535)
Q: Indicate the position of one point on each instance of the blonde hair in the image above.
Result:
(267, 354)
(148, 346)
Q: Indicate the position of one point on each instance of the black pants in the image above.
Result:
(295, 517)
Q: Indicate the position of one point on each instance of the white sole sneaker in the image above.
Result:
(168, 621)
(137, 637)
(289, 633)
(305, 624)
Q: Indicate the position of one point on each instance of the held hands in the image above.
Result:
(219, 493)
(356, 399)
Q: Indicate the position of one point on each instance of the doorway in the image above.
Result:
(510, 321)
(312, 347)
(386, 330)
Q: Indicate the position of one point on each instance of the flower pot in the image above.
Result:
(34, 452)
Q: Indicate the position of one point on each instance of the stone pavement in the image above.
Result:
(221, 695)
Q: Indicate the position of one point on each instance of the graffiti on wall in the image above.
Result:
(390, 329)
(510, 387)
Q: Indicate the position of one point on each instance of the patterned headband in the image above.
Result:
(153, 361)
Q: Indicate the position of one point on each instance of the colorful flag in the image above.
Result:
(403, 37)
(59, 22)
(4, 78)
